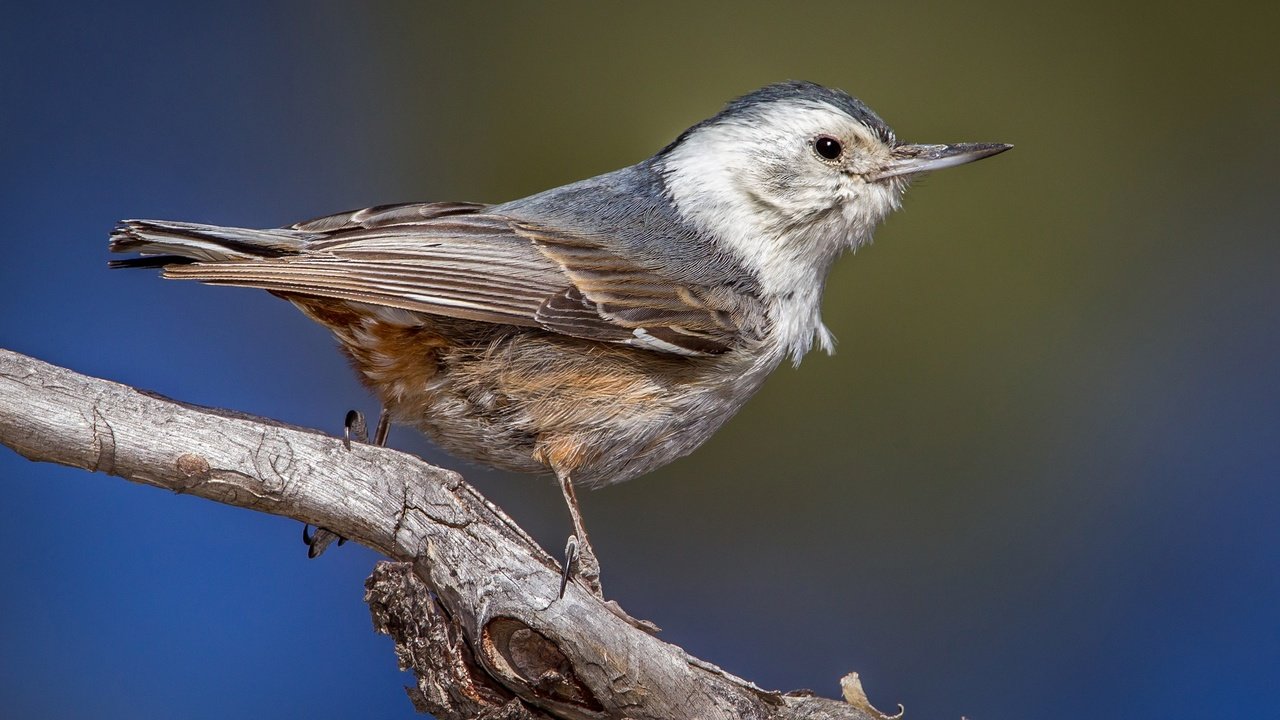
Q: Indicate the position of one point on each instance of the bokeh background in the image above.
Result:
(1038, 480)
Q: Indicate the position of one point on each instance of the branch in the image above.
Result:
(472, 604)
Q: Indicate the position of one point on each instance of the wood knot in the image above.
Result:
(515, 649)
(193, 468)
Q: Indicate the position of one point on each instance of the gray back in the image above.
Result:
(628, 211)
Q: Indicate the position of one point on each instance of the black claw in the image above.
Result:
(320, 540)
(354, 425)
(570, 556)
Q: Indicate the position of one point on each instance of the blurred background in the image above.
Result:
(1038, 480)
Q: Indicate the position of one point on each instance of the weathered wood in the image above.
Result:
(478, 618)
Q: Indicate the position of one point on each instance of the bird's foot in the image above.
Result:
(320, 541)
(580, 563)
(353, 428)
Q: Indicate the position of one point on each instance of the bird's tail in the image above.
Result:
(162, 243)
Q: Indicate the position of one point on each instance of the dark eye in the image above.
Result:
(827, 147)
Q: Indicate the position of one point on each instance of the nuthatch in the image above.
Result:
(597, 330)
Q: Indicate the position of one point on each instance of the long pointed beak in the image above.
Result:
(913, 159)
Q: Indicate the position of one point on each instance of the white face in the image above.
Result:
(786, 188)
(788, 183)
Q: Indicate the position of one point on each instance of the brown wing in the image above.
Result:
(609, 289)
(449, 259)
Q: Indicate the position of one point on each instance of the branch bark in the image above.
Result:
(472, 601)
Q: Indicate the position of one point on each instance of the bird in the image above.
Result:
(597, 330)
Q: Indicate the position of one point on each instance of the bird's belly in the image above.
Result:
(531, 401)
(534, 402)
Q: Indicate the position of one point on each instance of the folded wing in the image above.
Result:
(452, 259)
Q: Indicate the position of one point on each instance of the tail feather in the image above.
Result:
(163, 242)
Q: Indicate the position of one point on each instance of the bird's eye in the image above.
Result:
(827, 147)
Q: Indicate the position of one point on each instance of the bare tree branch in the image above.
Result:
(472, 604)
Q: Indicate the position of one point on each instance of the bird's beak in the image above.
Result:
(913, 159)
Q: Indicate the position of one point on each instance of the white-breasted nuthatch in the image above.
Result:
(600, 329)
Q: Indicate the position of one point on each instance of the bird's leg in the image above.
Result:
(353, 426)
(577, 551)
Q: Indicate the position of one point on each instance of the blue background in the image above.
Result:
(1039, 479)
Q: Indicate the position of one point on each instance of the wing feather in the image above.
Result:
(452, 259)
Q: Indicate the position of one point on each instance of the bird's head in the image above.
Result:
(793, 173)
